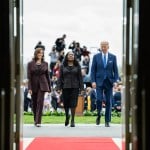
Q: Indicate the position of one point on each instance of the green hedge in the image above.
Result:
(85, 113)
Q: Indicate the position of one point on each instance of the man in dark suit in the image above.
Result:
(104, 74)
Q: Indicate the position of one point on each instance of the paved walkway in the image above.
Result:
(81, 130)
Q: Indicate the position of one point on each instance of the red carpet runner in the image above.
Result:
(72, 143)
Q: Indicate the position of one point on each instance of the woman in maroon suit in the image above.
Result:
(39, 83)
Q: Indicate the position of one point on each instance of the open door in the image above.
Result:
(130, 63)
(11, 74)
(136, 76)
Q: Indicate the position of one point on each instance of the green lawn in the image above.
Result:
(58, 119)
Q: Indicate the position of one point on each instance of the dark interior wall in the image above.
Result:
(143, 86)
(5, 76)
(4, 43)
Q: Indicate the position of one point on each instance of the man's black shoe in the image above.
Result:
(98, 120)
(107, 124)
(72, 124)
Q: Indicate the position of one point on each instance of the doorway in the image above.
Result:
(12, 44)
(86, 22)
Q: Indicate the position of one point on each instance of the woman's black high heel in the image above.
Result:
(67, 120)
(72, 124)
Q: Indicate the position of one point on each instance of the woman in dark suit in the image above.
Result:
(71, 83)
(39, 83)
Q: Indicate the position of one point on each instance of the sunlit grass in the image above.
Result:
(52, 119)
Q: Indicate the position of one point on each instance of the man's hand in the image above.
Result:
(93, 84)
(115, 84)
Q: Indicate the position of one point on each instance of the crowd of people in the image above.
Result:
(57, 84)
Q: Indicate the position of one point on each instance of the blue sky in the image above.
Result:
(85, 21)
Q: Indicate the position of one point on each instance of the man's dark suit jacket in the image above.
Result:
(98, 72)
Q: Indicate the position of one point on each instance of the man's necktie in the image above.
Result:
(105, 60)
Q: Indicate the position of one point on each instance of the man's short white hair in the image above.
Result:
(104, 43)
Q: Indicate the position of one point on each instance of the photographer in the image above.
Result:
(60, 43)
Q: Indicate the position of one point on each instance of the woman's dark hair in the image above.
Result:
(39, 45)
(36, 53)
(65, 61)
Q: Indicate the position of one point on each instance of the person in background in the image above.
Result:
(117, 98)
(85, 52)
(104, 74)
(38, 83)
(53, 58)
(39, 45)
(77, 51)
(88, 91)
(47, 102)
(56, 69)
(93, 99)
(72, 45)
(53, 81)
(55, 96)
(61, 56)
(27, 99)
(60, 43)
(86, 63)
(71, 83)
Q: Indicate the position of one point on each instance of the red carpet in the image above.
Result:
(72, 143)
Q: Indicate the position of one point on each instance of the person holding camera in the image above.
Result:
(60, 43)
